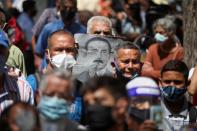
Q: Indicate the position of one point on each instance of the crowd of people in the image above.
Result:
(146, 87)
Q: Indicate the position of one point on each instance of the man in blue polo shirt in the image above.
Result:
(68, 9)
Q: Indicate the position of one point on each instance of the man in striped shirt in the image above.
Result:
(11, 89)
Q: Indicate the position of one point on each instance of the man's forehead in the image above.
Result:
(128, 52)
(172, 74)
(98, 25)
(62, 40)
(54, 80)
(97, 44)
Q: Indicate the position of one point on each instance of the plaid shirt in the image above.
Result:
(15, 90)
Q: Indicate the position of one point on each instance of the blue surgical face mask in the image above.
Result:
(53, 108)
(172, 93)
(160, 38)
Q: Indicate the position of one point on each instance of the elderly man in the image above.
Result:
(127, 62)
(98, 51)
(55, 102)
(12, 90)
(99, 25)
(97, 56)
(61, 51)
(60, 54)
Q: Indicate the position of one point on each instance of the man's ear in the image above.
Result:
(188, 83)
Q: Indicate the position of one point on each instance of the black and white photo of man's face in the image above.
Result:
(98, 52)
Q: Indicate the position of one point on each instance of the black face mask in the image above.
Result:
(67, 14)
(139, 115)
(135, 7)
(124, 79)
(99, 117)
(34, 12)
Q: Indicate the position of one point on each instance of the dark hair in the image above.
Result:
(24, 107)
(73, 1)
(176, 65)
(126, 45)
(98, 39)
(28, 4)
(4, 12)
(114, 86)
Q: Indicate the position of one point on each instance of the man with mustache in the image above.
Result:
(98, 52)
(95, 59)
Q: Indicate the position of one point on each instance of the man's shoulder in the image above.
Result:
(58, 24)
(79, 28)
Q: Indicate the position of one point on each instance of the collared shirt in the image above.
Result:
(48, 15)
(52, 27)
(15, 90)
(175, 122)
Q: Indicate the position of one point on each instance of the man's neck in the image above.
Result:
(48, 69)
(67, 23)
(177, 106)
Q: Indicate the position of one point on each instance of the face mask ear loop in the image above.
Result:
(49, 59)
(4, 25)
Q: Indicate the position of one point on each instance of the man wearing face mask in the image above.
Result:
(68, 10)
(144, 94)
(61, 51)
(60, 54)
(177, 110)
(54, 103)
(166, 48)
(106, 103)
(127, 63)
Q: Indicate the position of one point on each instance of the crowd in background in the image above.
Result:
(150, 88)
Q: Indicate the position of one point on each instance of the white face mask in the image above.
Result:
(63, 61)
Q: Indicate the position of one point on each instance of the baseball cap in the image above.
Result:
(142, 86)
(4, 41)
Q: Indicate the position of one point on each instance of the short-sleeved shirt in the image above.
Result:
(48, 29)
(174, 123)
(48, 15)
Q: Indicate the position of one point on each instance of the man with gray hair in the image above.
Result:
(54, 104)
(99, 25)
(127, 63)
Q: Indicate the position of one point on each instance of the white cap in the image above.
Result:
(143, 86)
